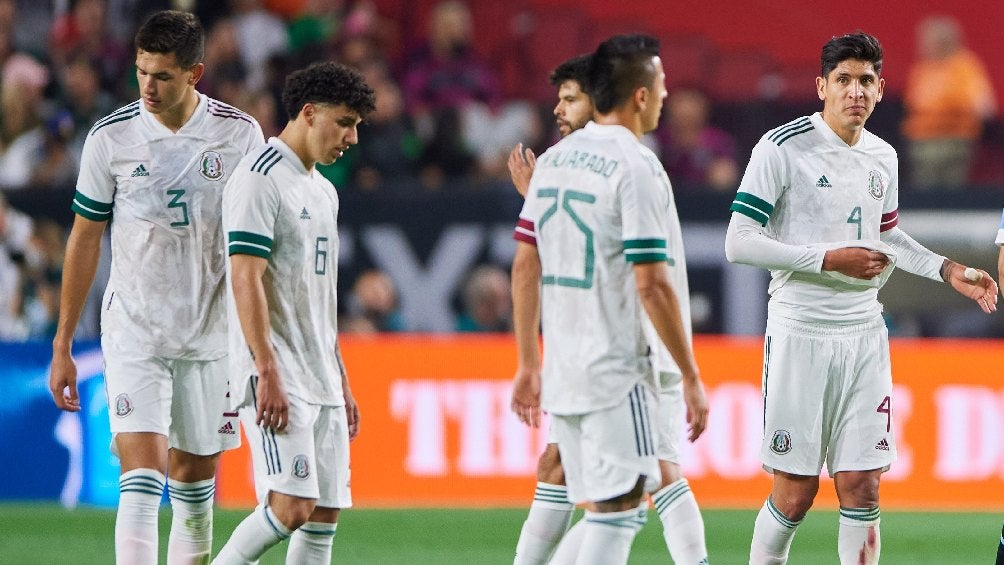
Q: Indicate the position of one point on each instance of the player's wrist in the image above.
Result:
(946, 269)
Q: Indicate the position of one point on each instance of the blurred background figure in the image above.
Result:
(948, 96)
(260, 35)
(22, 136)
(15, 239)
(487, 301)
(83, 30)
(81, 94)
(373, 305)
(697, 155)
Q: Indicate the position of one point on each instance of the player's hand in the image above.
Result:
(856, 262)
(521, 164)
(526, 396)
(63, 382)
(697, 407)
(273, 404)
(983, 291)
(351, 414)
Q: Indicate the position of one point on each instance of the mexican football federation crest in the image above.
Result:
(876, 187)
(123, 406)
(781, 442)
(301, 467)
(211, 165)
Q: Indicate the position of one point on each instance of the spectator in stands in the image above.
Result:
(41, 285)
(15, 235)
(260, 35)
(487, 301)
(83, 30)
(947, 98)
(223, 55)
(55, 165)
(83, 97)
(21, 134)
(373, 305)
(696, 154)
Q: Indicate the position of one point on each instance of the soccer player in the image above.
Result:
(280, 217)
(591, 261)
(158, 166)
(551, 512)
(818, 207)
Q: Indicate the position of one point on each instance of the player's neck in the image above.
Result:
(295, 138)
(621, 117)
(176, 118)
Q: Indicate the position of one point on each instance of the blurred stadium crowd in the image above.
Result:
(455, 92)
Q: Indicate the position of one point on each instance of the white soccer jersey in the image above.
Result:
(162, 191)
(806, 186)
(275, 208)
(597, 203)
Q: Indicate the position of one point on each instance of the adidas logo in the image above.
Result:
(305, 215)
(227, 429)
(140, 171)
(883, 445)
(823, 182)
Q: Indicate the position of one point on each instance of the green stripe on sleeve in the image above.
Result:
(247, 243)
(243, 249)
(648, 257)
(249, 237)
(752, 206)
(644, 243)
(91, 209)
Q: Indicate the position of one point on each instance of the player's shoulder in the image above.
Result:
(261, 160)
(119, 120)
(223, 114)
(793, 134)
(878, 146)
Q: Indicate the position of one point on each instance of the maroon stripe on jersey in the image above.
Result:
(889, 220)
(524, 232)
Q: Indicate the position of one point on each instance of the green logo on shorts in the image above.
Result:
(301, 467)
(781, 442)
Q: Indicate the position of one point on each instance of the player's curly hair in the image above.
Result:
(327, 83)
(621, 65)
(171, 31)
(576, 68)
(859, 46)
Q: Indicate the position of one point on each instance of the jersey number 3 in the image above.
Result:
(177, 202)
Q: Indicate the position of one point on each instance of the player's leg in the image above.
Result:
(610, 461)
(682, 524)
(796, 360)
(201, 427)
(863, 445)
(139, 396)
(285, 471)
(312, 542)
(550, 513)
(1000, 549)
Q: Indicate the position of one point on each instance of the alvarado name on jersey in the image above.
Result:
(574, 159)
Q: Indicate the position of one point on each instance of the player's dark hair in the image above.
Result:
(576, 68)
(621, 65)
(327, 83)
(858, 46)
(171, 31)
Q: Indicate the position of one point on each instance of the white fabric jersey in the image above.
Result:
(163, 192)
(597, 203)
(808, 188)
(1000, 233)
(276, 209)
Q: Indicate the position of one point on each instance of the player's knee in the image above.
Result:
(291, 511)
(794, 505)
(549, 468)
(858, 489)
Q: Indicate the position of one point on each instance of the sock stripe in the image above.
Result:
(318, 531)
(141, 490)
(664, 500)
(860, 514)
(779, 516)
(280, 530)
(201, 494)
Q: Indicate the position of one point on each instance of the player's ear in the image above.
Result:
(198, 70)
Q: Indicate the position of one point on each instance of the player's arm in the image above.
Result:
(526, 271)
(83, 249)
(252, 312)
(663, 309)
(914, 258)
(521, 164)
(351, 408)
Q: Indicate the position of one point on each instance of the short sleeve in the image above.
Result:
(250, 209)
(95, 192)
(762, 183)
(890, 204)
(644, 202)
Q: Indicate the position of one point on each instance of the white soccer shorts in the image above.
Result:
(605, 452)
(827, 393)
(309, 459)
(183, 400)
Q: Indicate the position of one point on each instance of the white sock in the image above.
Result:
(568, 549)
(191, 539)
(311, 544)
(140, 491)
(682, 525)
(772, 536)
(549, 518)
(858, 540)
(607, 537)
(254, 536)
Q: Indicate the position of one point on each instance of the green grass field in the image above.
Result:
(41, 534)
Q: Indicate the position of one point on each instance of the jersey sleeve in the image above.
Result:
(890, 204)
(250, 209)
(526, 225)
(1000, 232)
(95, 192)
(255, 137)
(762, 183)
(644, 204)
